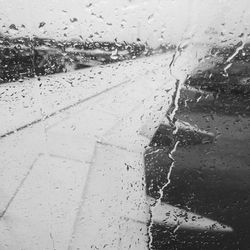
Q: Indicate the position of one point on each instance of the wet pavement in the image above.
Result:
(211, 169)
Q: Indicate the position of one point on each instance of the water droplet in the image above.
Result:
(13, 27)
(89, 5)
(41, 24)
(150, 18)
(73, 20)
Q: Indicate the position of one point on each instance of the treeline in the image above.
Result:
(26, 57)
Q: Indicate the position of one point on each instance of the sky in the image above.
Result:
(154, 21)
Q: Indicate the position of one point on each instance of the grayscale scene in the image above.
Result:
(124, 124)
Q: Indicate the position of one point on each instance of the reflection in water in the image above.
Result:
(212, 171)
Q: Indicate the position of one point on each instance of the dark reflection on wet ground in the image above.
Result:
(212, 166)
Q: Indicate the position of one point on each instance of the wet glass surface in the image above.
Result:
(124, 124)
(211, 165)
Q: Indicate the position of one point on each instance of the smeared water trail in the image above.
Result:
(239, 48)
(161, 192)
(172, 121)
